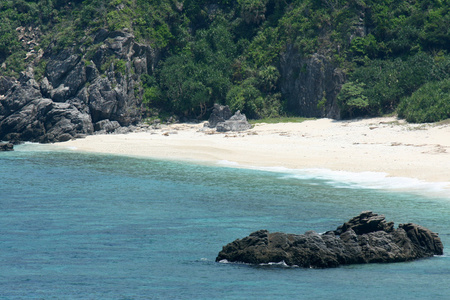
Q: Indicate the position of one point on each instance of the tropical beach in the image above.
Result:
(114, 186)
(386, 145)
(79, 224)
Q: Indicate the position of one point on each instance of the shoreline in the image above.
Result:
(386, 145)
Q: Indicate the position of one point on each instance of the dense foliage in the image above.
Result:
(394, 52)
(429, 103)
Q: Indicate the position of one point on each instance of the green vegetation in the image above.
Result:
(351, 98)
(387, 82)
(394, 53)
(429, 103)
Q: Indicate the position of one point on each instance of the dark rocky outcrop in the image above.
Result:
(106, 126)
(220, 113)
(82, 91)
(6, 147)
(310, 84)
(25, 115)
(5, 84)
(367, 238)
(222, 119)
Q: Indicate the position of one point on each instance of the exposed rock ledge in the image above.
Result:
(367, 238)
(82, 91)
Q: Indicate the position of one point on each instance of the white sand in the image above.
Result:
(378, 145)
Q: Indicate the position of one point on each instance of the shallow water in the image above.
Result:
(87, 226)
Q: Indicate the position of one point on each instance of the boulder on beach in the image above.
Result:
(238, 122)
(366, 238)
(222, 119)
(220, 113)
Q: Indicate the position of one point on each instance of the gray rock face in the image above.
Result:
(238, 122)
(106, 126)
(219, 114)
(61, 65)
(367, 238)
(80, 89)
(6, 147)
(310, 84)
(27, 116)
(222, 119)
(5, 84)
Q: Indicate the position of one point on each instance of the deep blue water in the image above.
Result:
(86, 226)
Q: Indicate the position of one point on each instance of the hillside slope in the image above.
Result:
(79, 63)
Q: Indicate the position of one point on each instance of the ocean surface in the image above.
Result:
(89, 226)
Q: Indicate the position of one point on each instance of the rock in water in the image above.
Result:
(366, 238)
(6, 147)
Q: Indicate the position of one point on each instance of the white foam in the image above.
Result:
(360, 180)
(279, 264)
(224, 261)
(31, 146)
(227, 163)
(373, 180)
(282, 264)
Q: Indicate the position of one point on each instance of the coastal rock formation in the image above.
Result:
(81, 91)
(366, 238)
(220, 113)
(310, 84)
(6, 147)
(222, 119)
(238, 122)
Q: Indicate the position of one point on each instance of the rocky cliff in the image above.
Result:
(97, 87)
(310, 84)
(92, 88)
(366, 238)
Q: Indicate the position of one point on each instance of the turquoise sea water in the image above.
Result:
(87, 226)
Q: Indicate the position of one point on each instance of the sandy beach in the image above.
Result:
(387, 145)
